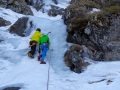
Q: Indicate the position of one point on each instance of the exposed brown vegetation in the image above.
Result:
(96, 30)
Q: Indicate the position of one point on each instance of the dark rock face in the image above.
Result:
(40, 5)
(106, 3)
(55, 1)
(104, 41)
(4, 22)
(101, 3)
(98, 31)
(19, 26)
(29, 2)
(74, 59)
(18, 6)
(3, 3)
(54, 11)
(76, 19)
(36, 4)
(0, 40)
(12, 88)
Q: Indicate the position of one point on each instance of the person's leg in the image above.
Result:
(31, 42)
(33, 48)
(40, 54)
(44, 51)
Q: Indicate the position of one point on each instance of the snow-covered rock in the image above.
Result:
(4, 22)
(18, 6)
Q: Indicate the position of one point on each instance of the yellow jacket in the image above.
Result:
(36, 36)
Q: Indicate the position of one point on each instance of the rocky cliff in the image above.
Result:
(95, 24)
(19, 6)
(51, 7)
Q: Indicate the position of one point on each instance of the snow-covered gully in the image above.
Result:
(20, 71)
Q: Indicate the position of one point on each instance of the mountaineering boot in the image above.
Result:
(30, 55)
(39, 57)
(42, 62)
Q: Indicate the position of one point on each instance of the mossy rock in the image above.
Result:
(78, 23)
(109, 11)
(112, 10)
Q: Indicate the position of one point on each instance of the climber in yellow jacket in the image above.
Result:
(33, 42)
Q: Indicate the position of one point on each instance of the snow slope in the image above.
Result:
(16, 69)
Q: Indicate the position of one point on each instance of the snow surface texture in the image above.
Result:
(18, 70)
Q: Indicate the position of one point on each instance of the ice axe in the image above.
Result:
(48, 33)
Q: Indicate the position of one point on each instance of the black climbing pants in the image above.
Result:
(33, 47)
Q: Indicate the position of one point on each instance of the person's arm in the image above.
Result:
(48, 41)
(39, 42)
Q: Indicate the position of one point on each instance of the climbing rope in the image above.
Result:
(48, 80)
(48, 75)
